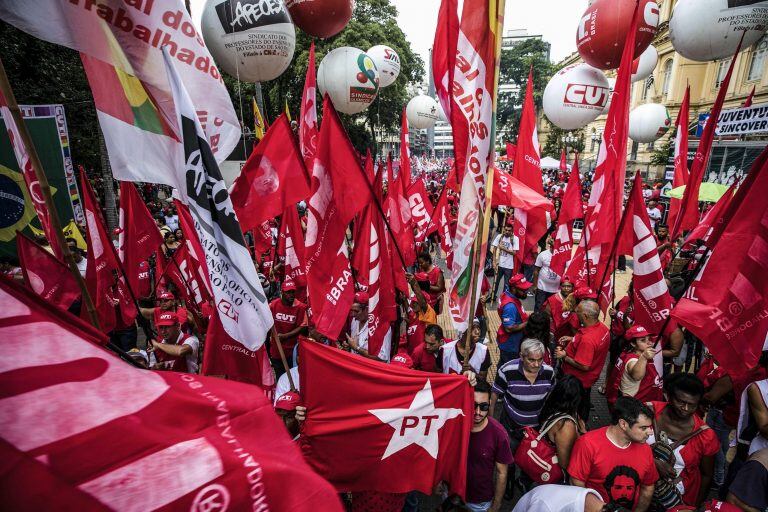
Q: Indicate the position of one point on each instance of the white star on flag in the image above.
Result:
(418, 424)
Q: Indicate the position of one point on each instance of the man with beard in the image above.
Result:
(615, 461)
(666, 246)
(426, 356)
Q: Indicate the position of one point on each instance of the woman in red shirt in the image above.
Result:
(694, 461)
(434, 276)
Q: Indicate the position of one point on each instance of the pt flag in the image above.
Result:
(45, 274)
(726, 306)
(139, 237)
(181, 442)
(376, 427)
(272, 179)
(238, 296)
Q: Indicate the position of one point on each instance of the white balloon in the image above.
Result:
(646, 64)
(611, 87)
(350, 78)
(387, 62)
(575, 96)
(250, 39)
(648, 122)
(704, 30)
(422, 112)
(441, 113)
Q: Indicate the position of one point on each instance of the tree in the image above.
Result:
(554, 144)
(663, 152)
(515, 63)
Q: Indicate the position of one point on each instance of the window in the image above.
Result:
(651, 146)
(759, 56)
(645, 85)
(722, 70)
(633, 153)
(667, 73)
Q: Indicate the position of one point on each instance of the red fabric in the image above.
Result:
(740, 382)
(139, 238)
(563, 161)
(433, 276)
(272, 179)
(414, 332)
(371, 501)
(87, 446)
(700, 446)
(442, 221)
(287, 318)
(617, 324)
(144, 289)
(709, 373)
(511, 151)
(594, 457)
(308, 133)
(346, 440)
(173, 363)
(510, 191)
(45, 274)
(570, 209)
(181, 315)
(650, 385)
(725, 306)
(399, 216)
(444, 55)
(187, 275)
(423, 360)
(680, 177)
(589, 347)
(712, 218)
(421, 209)
(290, 246)
(501, 335)
(748, 102)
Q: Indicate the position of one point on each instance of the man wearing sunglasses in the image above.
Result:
(489, 453)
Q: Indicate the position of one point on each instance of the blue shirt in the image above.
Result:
(510, 317)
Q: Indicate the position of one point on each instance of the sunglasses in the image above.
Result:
(483, 406)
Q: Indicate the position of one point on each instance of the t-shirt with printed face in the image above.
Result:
(510, 243)
(549, 281)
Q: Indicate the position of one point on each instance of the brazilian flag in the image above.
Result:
(16, 210)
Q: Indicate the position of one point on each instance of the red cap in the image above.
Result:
(361, 298)
(585, 292)
(636, 331)
(167, 318)
(289, 285)
(117, 231)
(288, 401)
(402, 359)
(566, 279)
(519, 281)
(165, 294)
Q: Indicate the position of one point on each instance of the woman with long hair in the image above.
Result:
(537, 328)
(562, 408)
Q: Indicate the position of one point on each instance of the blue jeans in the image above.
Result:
(716, 423)
(479, 507)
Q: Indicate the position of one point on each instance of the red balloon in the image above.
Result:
(320, 18)
(603, 28)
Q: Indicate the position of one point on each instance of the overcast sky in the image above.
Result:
(556, 20)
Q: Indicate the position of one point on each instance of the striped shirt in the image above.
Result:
(522, 400)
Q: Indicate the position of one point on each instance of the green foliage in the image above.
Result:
(373, 22)
(44, 73)
(553, 146)
(663, 151)
(515, 63)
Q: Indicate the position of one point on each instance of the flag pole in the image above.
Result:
(45, 192)
(279, 346)
(482, 222)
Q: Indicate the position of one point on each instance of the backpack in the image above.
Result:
(536, 455)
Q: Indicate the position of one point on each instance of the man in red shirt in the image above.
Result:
(425, 356)
(615, 461)
(290, 320)
(585, 354)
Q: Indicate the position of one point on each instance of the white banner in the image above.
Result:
(740, 121)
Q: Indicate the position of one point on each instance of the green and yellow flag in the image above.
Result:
(259, 128)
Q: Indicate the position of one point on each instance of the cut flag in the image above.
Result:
(45, 274)
(139, 236)
(421, 209)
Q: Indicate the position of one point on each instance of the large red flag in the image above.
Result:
(375, 427)
(713, 217)
(442, 222)
(399, 215)
(651, 298)
(681, 159)
(308, 118)
(182, 442)
(421, 209)
(105, 281)
(726, 306)
(509, 191)
(444, 55)
(290, 246)
(570, 210)
(511, 151)
(272, 179)
(563, 161)
(530, 226)
(139, 237)
(45, 274)
(689, 206)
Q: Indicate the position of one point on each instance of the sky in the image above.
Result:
(417, 19)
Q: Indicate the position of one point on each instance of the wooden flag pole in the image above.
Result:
(45, 191)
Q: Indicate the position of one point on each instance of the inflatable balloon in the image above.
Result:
(611, 87)
(422, 112)
(441, 113)
(387, 62)
(604, 26)
(249, 40)
(645, 64)
(320, 18)
(350, 78)
(704, 30)
(648, 122)
(575, 96)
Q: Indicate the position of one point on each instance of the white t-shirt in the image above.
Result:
(284, 386)
(509, 243)
(548, 281)
(655, 215)
(191, 358)
(554, 498)
(361, 331)
(172, 221)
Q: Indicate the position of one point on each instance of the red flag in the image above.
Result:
(442, 222)
(511, 151)
(139, 237)
(530, 226)
(195, 253)
(570, 210)
(45, 274)
(182, 442)
(375, 427)
(272, 179)
(651, 298)
(689, 205)
(421, 209)
(187, 275)
(727, 304)
(290, 246)
(748, 102)
(308, 118)
(399, 216)
(681, 160)
(404, 174)
(563, 161)
(444, 55)
(714, 216)
(509, 191)
(33, 187)
(105, 282)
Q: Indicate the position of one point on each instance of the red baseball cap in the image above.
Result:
(288, 285)
(402, 359)
(167, 318)
(566, 279)
(585, 292)
(361, 298)
(165, 294)
(636, 331)
(519, 281)
(117, 231)
(288, 401)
